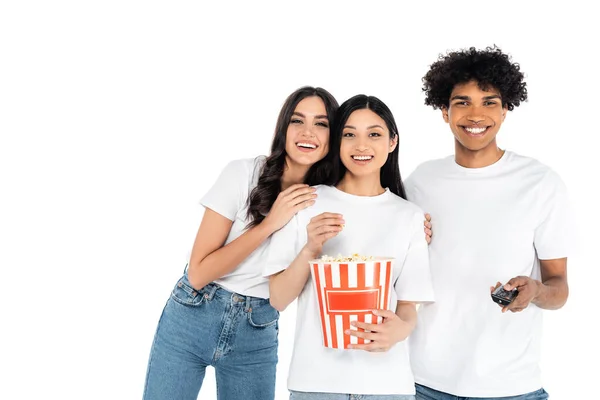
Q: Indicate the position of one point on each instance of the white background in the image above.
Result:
(117, 116)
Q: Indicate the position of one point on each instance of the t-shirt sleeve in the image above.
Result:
(282, 249)
(229, 193)
(553, 237)
(414, 282)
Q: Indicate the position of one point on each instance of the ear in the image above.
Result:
(504, 112)
(393, 143)
(445, 114)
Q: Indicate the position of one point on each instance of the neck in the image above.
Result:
(361, 185)
(477, 158)
(293, 173)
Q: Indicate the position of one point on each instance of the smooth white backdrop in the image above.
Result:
(116, 117)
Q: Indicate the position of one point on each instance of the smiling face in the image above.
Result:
(365, 143)
(474, 116)
(307, 137)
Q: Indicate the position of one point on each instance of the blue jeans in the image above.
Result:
(339, 396)
(235, 334)
(425, 393)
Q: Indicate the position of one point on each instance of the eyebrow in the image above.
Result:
(368, 127)
(459, 97)
(304, 116)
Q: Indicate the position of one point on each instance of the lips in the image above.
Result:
(362, 159)
(475, 131)
(306, 146)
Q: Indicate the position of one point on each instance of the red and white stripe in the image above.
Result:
(348, 292)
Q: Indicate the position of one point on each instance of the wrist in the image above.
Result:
(307, 253)
(266, 227)
(539, 289)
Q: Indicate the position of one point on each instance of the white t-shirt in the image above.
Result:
(229, 197)
(488, 224)
(386, 226)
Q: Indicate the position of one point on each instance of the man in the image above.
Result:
(500, 219)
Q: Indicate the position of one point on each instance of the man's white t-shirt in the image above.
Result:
(386, 226)
(490, 224)
(229, 197)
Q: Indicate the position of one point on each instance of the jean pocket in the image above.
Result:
(263, 316)
(185, 294)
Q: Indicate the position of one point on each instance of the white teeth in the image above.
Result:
(362, 158)
(475, 131)
(307, 145)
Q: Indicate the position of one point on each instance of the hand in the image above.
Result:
(528, 290)
(383, 336)
(322, 228)
(288, 203)
(428, 230)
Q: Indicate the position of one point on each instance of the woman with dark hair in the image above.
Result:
(219, 313)
(365, 212)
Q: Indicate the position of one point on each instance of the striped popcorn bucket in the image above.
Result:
(348, 291)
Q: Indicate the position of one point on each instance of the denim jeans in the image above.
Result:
(339, 396)
(425, 393)
(235, 334)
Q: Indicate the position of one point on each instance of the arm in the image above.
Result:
(286, 286)
(552, 242)
(211, 260)
(553, 291)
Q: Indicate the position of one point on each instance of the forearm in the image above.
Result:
(227, 258)
(552, 293)
(287, 285)
(407, 312)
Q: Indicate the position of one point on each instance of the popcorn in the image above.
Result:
(353, 258)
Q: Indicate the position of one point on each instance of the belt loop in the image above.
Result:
(210, 290)
(248, 304)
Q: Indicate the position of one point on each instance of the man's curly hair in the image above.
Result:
(490, 68)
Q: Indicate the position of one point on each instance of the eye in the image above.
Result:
(348, 134)
(489, 103)
(461, 103)
(374, 134)
(295, 121)
(323, 124)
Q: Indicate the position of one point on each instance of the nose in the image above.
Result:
(476, 116)
(361, 145)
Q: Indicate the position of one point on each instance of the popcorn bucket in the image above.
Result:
(347, 291)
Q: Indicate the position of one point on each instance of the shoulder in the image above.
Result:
(430, 168)
(406, 208)
(245, 169)
(543, 174)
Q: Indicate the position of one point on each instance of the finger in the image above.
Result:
(300, 192)
(303, 205)
(361, 334)
(428, 239)
(428, 232)
(325, 215)
(300, 199)
(428, 217)
(384, 313)
(492, 288)
(366, 326)
(326, 236)
(515, 282)
(293, 188)
(367, 347)
(327, 229)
